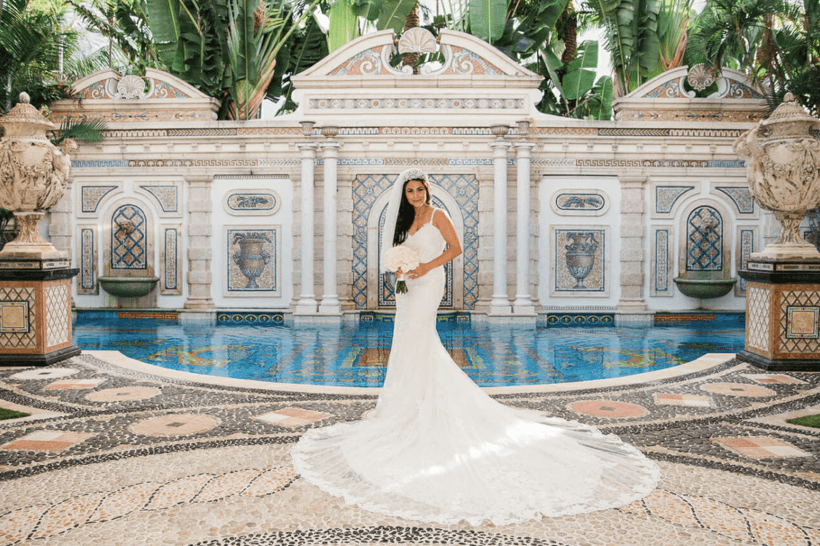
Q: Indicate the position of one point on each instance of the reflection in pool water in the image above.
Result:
(356, 356)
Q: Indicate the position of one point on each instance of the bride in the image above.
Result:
(437, 448)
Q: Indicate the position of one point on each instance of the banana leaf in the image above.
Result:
(487, 19)
(393, 13)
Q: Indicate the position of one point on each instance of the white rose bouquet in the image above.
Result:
(404, 258)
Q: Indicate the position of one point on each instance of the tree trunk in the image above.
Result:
(411, 21)
(570, 33)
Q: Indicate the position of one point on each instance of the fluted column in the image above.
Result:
(523, 300)
(500, 303)
(307, 304)
(330, 151)
(199, 244)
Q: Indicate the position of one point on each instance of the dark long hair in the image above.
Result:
(407, 212)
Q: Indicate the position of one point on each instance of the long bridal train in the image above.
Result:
(438, 449)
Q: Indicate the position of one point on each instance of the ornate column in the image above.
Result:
(200, 232)
(61, 227)
(500, 304)
(35, 277)
(782, 156)
(330, 151)
(523, 304)
(307, 304)
(632, 305)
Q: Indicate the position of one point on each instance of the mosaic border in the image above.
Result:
(255, 319)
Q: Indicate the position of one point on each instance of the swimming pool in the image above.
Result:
(355, 356)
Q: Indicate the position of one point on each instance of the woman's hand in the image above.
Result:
(420, 271)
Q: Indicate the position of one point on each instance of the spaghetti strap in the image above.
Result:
(433, 215)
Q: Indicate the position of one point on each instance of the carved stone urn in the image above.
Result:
(251, 258)
(33, 178)
(581, 256)
(783, 168)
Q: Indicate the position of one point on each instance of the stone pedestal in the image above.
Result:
(782, 315)
(35, 316)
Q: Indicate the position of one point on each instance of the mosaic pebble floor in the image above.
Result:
(117, 452)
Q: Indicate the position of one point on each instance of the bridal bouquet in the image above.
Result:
(401, 257)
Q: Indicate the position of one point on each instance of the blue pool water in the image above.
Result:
(356, 355)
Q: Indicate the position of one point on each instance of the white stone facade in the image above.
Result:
(611, 210)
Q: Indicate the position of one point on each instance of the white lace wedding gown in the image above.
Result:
(438, 449)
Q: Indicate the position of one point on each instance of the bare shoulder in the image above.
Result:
(441, 218)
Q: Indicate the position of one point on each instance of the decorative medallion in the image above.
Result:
(252, 202)
(701, 77)
(580, 203)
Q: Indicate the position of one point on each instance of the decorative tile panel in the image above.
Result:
(704, 240)
(747, 239)
(252, 202)
(579, 260)
(166, 195)
(58, 314)
(92, 195)
(128, 238)
(757, 318)
(665, 197)
(741, 197)
(22, 298)
(252, 260)
(170, 278)
(463, 188)
(88, 281)
(14, 317)
(417, 103)
(387, 297)
(798, 321)
(661, 279)
(801, 322)
(580, 203)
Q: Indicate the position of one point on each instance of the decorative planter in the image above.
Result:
(32, 180)
(128, 287)
(783, 169)
(704, 288)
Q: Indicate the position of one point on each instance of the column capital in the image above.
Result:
(500, 146)
(198, 178)
(524, 147)
(307, 146)
(635, 180)
(330, 145)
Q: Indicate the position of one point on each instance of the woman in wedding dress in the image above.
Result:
(437, 448)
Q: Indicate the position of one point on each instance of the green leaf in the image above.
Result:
(487, 18)
(393, 13)
(553, 64)
(580, 76)
(343, 26)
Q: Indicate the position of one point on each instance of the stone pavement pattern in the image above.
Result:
(120, 456)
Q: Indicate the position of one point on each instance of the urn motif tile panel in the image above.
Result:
(165, 195)
(461, 187)
(757, 318)
(798, 321)
(91, 196)
(129, 238)
(704, 236)
(580, 255)
(20, 326)
(58, 314)
(252, 261)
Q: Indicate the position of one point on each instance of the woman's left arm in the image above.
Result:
(442, 222)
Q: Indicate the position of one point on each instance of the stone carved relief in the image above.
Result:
(579, 260)
(252, 261)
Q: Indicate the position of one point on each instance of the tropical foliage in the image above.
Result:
(774, 41)
(226, 48)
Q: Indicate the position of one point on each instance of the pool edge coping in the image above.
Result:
(705, 362)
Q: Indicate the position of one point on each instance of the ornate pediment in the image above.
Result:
(369, 57)
(672, 96)
(158, 96)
